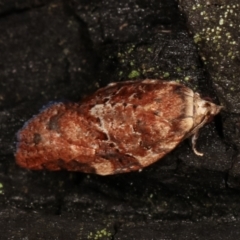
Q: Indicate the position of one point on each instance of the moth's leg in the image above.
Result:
(194, 136)
(194, 141)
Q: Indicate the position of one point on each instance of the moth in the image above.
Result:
(120, 128)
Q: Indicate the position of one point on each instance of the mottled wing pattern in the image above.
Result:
(120, 128)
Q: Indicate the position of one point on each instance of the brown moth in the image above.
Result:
(122, 127)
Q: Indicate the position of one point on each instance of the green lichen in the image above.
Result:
(148, 70)
(131, 48)
(99, 234)
(187, 78)
(150, 50)
(217, 37)
(216, 29)
(133, 74)
(166, 74)
(178, 69)
(1, 188)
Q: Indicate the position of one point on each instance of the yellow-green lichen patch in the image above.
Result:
(1, 188)
(100, 234)
(187, 78)
(142, 61)
(215, 27)
(150, 50)
(132, 61)
(220, 37)
(133, 74)
(166, 74)
(178, 69)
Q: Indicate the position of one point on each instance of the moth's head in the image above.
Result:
(204, 110)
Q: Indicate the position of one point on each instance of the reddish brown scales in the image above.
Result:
(120, 128)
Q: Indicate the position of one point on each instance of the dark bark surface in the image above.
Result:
(64, 50)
